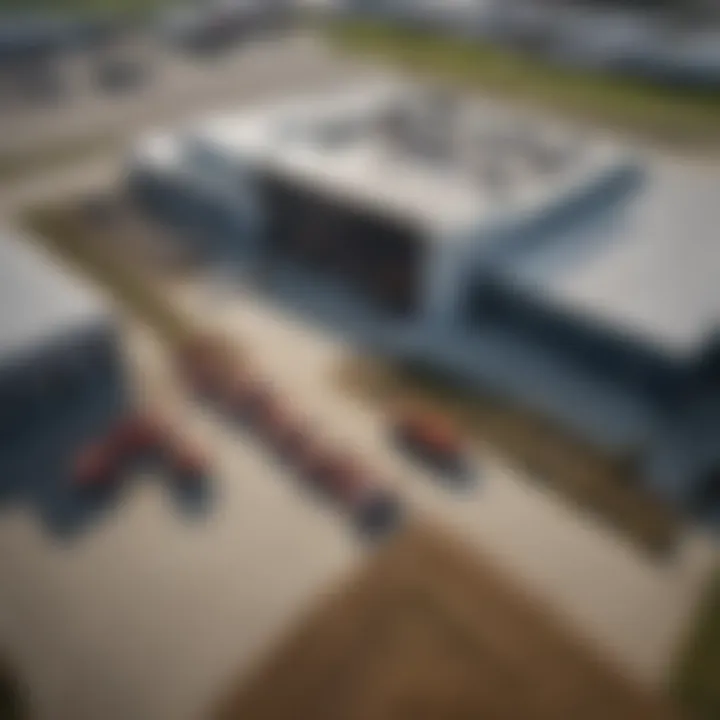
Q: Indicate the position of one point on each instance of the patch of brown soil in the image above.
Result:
(429, 633)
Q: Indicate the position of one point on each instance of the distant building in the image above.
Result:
(61, 374)
(655, 41)
(219, 24)
(446, 216)
(29, 53)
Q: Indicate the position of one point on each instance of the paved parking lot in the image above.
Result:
(154, 615)
(632, 607)
(147, 614)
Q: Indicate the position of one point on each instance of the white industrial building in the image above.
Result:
(445, 215)
(414, 192)
(61, 376)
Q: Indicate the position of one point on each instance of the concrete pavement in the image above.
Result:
(147, 615)
(634, 608)
(150, 613)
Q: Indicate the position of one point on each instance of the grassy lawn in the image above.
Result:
(655, 113)
(698, 679)
(68, 235)
(603, 486)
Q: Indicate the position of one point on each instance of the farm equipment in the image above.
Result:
(432, 439)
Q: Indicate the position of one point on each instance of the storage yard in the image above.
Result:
(477, 212)
(163, 610)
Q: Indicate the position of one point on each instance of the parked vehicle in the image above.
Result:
(139, 438)
(207, 363)
(187, 464)
(378, 514)
(309, 462)
(375, 510)
(256, 403)
(292, 442)
(432, 439)
(95, 466)
(338, 476)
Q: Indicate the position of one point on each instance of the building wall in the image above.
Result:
(603, 353)
(212, 229)
(609, 389)
(274, 223)
(54, 400)
(379, 259)
(683, 462)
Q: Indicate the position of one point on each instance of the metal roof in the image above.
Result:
(487, 173)
(653, 274)
(39, 301)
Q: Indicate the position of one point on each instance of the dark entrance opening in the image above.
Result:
(707, 499)
(379, 258)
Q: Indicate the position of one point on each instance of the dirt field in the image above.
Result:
(426, 632)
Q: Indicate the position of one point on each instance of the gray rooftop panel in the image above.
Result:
(38, 299)
(655, 274)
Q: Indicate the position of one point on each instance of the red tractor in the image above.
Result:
(95, 466)
(187, 464)
(270, 419)
(293, 443)
(139, 437)
(206, 363)
(255, 403)
(432, 439)
(103, 462)
(281, 430)
(341, 477)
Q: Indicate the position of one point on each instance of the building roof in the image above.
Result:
(446, 164)
(654, 273)
(39, 301)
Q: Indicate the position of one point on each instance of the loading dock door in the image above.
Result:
(378, 258)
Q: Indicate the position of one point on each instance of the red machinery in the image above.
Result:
(332, 473)
(95, 465)
(206, 363)
(255, 403)
(430, 437)
(139, 436)
(343, 478)
(292, 442)
(277, 426)
(187, 464)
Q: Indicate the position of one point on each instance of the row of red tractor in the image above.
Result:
(106, 461)
(216, 375)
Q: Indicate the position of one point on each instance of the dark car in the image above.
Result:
(379, 514)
